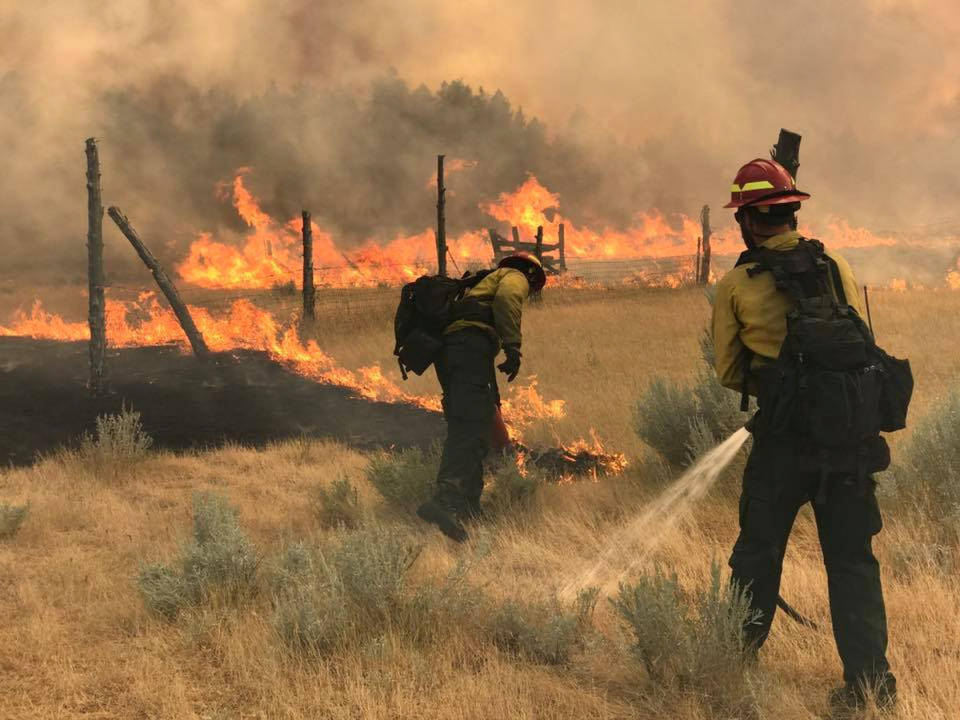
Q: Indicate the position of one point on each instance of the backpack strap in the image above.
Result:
(837, 279)
(747, 356)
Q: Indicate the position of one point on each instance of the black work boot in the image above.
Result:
(444, 516)
(474, 511)
(851, 698)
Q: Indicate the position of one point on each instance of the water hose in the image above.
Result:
(795, 615)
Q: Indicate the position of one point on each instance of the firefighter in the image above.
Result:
(782, 471)
(465, 369)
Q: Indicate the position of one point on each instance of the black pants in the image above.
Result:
(465, 369)
(773, 492)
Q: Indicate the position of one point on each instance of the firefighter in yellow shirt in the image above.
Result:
(491, 312)
(787, 466)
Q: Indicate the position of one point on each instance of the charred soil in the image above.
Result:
(185, 403)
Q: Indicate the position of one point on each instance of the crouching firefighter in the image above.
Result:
(787, 329)
(460, 327)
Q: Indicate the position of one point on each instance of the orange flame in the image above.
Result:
(245, 326)
(953, 277)
(271, 252)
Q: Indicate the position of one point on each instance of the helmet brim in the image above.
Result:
(794, 196)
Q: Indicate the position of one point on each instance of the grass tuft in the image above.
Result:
(927, 473)
(407, 478)
(546, 633)
(338, 506)
(11, 518)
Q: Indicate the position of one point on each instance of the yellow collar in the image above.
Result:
(783, 241)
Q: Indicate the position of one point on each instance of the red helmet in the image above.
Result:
(529, 265)
(763, 182)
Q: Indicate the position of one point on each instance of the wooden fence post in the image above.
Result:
(562, 249)
(441, 220)
(168, 288)
(516, 236)
(705, 256)
(696, 267)
(95, 274)
(539, 251)
(309, 291)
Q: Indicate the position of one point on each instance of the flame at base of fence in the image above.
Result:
(632, 545)
(245, 326)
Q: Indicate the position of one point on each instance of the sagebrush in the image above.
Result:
(927, 469)
(218, 558)
(11, 518)
(691, 641)
(118, 442)
(338, 506)
(405, 478)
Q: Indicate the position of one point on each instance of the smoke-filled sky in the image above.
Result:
(641, 104)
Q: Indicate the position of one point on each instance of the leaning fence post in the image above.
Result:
(163, 281)
(309, 292)
(441, 220)
(95, 274)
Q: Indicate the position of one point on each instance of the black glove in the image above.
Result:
(511, 366)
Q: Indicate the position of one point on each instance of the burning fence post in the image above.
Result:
(95, 275)
(562, 249)
(704, 270)
(309, 292)
(696, 266)
(441, 220)
(163, 281)
(539, 248)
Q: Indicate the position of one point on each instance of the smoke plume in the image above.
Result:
(341, 108)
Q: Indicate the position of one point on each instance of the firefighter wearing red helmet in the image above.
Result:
(465, 369)
(783, 274)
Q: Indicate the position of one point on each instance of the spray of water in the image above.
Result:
(632, 544)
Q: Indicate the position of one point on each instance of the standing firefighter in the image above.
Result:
(787, 329)
(484, 320)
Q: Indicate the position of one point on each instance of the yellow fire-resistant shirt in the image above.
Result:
(749, 312)
(505, 289)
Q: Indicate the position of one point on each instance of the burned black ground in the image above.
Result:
(240, 396)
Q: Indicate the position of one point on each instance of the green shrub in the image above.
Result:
(11, 518)
(405, 478)
(928, 468)
(372, 565)
(339, 505)
(118, 443)
(662, 417)
(324, 597)
(311, 610)
(164, 590)
(218, 558)
(682, 422)
(220, 555)
(546, 633)
(512, 489)
(691, 641)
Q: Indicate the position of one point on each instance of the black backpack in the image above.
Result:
(831, 385)
(427, 306)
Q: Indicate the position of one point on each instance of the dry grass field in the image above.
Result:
(472, 631)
